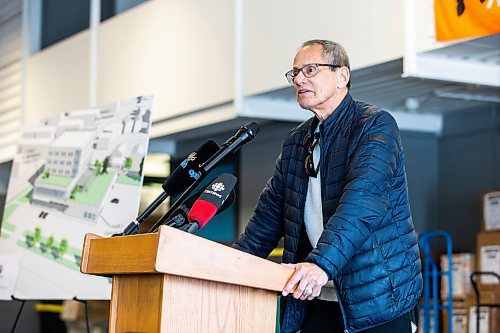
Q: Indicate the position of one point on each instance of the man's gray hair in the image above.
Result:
(333, 52)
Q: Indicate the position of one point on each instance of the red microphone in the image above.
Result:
(179, 180)
(210, 201)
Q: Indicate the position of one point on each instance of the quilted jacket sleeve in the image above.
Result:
(265, 228)
(365, 198)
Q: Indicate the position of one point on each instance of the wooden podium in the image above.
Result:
(172, 281)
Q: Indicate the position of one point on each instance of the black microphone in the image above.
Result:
(227, 203)
(210, 201)
(245, 134)
(181, 178)
(190, 169)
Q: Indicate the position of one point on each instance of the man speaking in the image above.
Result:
(339, 198)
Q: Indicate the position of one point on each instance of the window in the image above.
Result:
(62, 18)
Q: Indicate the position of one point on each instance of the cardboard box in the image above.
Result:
(464, 314)
(462, 267)
(489, 317)
(74, 311)
(460, 320)
(492, 314)
(421, 321)
(491, 211)
(484, 319)
(488, 252)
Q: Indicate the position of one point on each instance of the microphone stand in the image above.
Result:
(133, 226)
(232, 145)
(192, 227)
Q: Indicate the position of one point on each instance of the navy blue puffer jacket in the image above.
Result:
(368, 246)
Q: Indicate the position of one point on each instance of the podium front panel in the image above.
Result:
(136, 303)
(194, 305)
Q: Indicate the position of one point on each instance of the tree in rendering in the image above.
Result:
(63, 247)
(50, 242)
(128, 163)
(105, 165)
(37, 235)
(98, 167)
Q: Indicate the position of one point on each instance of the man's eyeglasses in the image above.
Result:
(308, 70)
(311, 171)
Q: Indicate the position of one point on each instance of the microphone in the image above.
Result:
(182, 177)
(179, 218)
(190, 169)
(210, 201)
(227, 203)
(244, 134)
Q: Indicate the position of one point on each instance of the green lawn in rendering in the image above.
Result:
(9, 209)
(62, 181)
(69, 260)
(95, 191)
(26, 196)
(124, 179)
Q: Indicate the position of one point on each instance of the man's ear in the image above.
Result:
(344, 76)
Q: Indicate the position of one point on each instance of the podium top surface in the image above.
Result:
(175, 252)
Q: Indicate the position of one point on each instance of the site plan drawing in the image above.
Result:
(75, 173)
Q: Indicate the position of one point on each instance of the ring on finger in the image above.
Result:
(308, 292)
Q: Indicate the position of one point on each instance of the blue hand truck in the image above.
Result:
(431, 275)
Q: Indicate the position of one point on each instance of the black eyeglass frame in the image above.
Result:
(311, 171)
(291, 74)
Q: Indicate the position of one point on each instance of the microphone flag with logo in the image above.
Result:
(179, 180)
(210, 201)
(178, 219)
(190, 169)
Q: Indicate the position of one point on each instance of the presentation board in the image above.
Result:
(74, 173)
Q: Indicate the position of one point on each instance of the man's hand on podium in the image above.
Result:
(308, 280)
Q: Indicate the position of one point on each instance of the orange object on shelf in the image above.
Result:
(458, 19)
